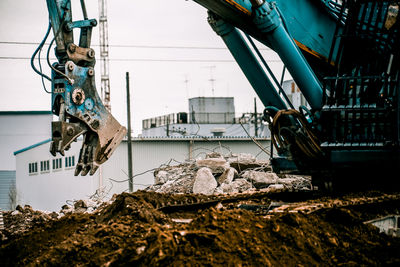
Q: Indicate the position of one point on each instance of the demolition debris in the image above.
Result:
(137, 229)
(218, 174)
(221, 210)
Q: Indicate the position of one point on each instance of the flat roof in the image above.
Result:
(163, 138)
(32, 146)
(26, 112)
(196, 138)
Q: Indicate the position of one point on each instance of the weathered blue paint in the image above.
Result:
(309, 23)
(60, 14)
(268, 21)
(306, 21)
(91, 109)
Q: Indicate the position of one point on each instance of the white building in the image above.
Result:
(18, 129)
(46, 183)
(208, 116)
(294, 94)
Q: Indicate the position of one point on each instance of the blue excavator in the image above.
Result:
(343, 55)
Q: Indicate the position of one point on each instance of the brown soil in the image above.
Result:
(132, 231)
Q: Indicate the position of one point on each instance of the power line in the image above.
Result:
(148, 60)
(137, 46)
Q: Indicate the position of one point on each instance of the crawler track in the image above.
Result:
(312, 206)
(275, 202)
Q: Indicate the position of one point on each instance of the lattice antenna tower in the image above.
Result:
(104, 57)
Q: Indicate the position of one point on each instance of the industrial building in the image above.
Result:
(46, 182)
(207, 116)
(18, 129)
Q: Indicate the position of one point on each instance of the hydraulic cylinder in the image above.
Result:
(268, 20)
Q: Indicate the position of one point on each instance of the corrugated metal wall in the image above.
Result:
(7, 190)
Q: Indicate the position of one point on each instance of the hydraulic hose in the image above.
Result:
(36, 51)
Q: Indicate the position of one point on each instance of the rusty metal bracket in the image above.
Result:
(64, 134)
(80, 55)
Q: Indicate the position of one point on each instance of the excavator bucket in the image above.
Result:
(81, 112)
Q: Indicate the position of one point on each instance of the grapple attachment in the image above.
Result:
(81, 112)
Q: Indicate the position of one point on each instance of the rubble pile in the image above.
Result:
(218, 174)
(132, 230)
(24, 218)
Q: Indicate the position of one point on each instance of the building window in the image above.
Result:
(57, 164)
(69, 162)
(45, 166)
(33, 168)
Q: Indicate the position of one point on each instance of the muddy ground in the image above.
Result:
(137, 229)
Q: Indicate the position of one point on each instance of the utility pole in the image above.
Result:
(255, 118)
(168, 125)
(128, 107)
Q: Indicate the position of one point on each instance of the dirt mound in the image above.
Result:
(135, 230)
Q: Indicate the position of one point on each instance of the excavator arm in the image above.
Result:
(75, 99)
(341, 53)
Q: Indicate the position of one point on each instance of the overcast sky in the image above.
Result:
(155, 32)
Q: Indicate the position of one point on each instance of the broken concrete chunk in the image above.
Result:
(243, 158)
(180, 185)
(227, 176)
(243, 161)
(80, 204)
(296, 182)
(217, 165)
(237, 186)
(161, 177)
(276, 187)
(214, 155)
(218, 191)
(204, 182)
(261, 179)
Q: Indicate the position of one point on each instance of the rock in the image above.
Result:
(237, 186)
(28, 208)
(181, 185)
(204, 182)
(218, 191)
(214, 155)
(140, 250)
(261, 179)
(80, 206)
(54, 215)
(296, 182)
(161, 177)
(217, 165)
(19, 208)
(243, 161)
(227, 176)
(276, 187)
(243, 158)
(65, 209)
